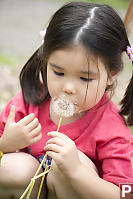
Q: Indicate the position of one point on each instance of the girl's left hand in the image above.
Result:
(63, 151)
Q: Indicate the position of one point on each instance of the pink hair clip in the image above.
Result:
(43, 33)
(130, 52)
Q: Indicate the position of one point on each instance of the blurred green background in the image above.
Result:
(121, 4)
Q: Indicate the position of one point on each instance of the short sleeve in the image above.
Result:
(116, 157)
(20, 107)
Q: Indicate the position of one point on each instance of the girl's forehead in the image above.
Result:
(75, 57)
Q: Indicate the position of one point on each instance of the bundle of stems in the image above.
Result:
(36, 176)
(32, 182)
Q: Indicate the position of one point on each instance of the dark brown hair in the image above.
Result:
(98, 28)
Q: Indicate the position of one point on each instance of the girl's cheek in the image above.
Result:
(89, 102)
(54, 89)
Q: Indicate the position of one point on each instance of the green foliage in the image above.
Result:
(7, 60)
(120, 4)
(10, 61)
(131, 128)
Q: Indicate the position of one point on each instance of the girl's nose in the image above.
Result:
(69, 88)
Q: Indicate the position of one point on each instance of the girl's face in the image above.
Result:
(68, 74)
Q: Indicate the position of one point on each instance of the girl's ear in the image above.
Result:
(112, 78)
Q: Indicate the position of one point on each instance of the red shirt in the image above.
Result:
(101, 134)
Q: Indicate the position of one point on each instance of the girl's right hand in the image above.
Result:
(18, 135)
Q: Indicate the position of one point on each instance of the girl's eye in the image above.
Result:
(86, 79)
(59, 74)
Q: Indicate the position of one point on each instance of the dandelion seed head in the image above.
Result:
(63, 107)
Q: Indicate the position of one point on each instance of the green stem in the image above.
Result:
(40, 188)
(41, 174)
(27, 189)
(31, 187)
(40, 166)
(59, 124)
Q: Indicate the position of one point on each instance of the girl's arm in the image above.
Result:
(18, 135)
(84, 182)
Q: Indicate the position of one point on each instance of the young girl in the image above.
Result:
(79, 62)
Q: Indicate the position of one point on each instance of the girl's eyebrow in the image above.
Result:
(89, 72)
(83, 72)
(55, 66)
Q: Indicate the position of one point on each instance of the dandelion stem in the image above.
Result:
(41, 174)
(30, 184)
(30, 190)
(59, 124)
(27, 189)
(40, 188)
(40, 165)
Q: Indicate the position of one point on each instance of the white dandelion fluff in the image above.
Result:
(63, 107)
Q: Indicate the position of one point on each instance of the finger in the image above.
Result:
(11, 116)
(53, 147)
(53, 155)
(57, 134)
(56, 140)
(36, 139)
(36, 131)
(27, 119)
(33, 124)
